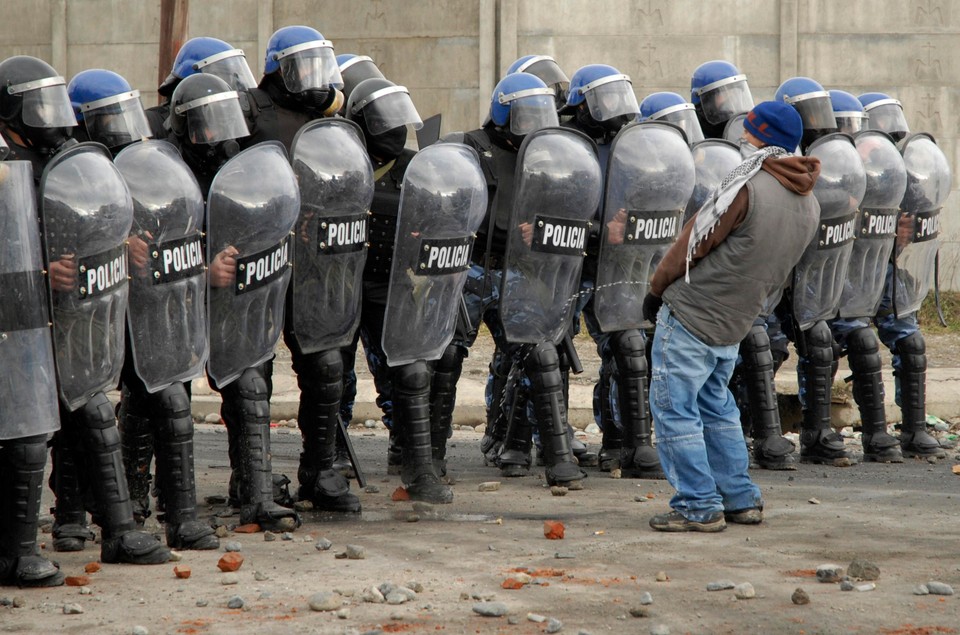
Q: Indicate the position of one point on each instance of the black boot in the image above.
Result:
(70, 530)
(175, 472)
(515, 452)
(246, 407)
(542, 366)
(819, 442)
(443, 400)
(136, 445)
(771, 450)
(320, 376)
(496, 412)
(915, 441)
(611, 444)
(121, 542)
(21, 483)
(863, 353)
(638, 458)
(412, 410)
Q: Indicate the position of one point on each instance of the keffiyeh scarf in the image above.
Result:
(719, 201)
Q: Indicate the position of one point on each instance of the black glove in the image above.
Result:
(651, 305)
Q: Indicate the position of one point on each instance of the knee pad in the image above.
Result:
(413, 377)
(541, 358)
(176, 407)
(819, 344)
(755, 350)
(863, 349)
(447, 369)
(251, 385)
(26, 453)
(98, 413)
(913, 352)
(324, 367)
(629, 350)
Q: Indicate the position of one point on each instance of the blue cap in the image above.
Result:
(776, 124)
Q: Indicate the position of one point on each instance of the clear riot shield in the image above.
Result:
(251, 211)
(733, 131)
(918, 236)
(28, 384)
(87, 214)
(819, 277)
(442, 203)
(650, 177)
(167, 316)
(558, 190)
(336, 188)
(877, 225)
(713, 159)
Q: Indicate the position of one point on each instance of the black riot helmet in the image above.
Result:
(206, 117)
(355, 69)
(383, 111)
(34, 102)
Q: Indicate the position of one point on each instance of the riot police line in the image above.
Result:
(189, 238)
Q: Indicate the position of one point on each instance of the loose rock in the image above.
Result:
(356, 552)
(77, 580)
(372, 489)
(939, 588)
(535, 617)
(182, 571)
(864, 570)
(646, 598)
(660, 629)
(846, 585)
(269, 536)
(286, 536)
(558, 490)
(72, 609)
(19, 601)
(323, 544)
(553, 529)
(85, 590)
(814, 501)
(139, 630)
(800, 597)
(343, 613)
(662, 576)
(232, 546)
(231, 561)
(260, 577)
(720, 585)
(489, 486)
(91, 567)
(230, 579)
(921, 589)
(869, 586)
(829, 573)
(744, 591)
(236, 602)
(639, 611)
(324, 601)
(372, 595)
(202, 603)
(554, 625)
(490, 609)
(221, 532)
(213, 417)
(303, 506)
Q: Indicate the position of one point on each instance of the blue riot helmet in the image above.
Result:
(719, 91)
(547, 69)
(213, 57)
(108, 108)
(607, 92)
(34, 102)
(848, 112)
(355, 69)
(304, 60)
(524, 102)
(810, 100)
(885, 114)
(672, 108)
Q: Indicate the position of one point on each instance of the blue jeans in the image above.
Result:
(699, 438)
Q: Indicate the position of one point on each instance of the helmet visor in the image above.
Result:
(388, 108)
(851, 122)
(815, 110)
(232, 68)
(214, 118)
(117, 123)
(724, 99)
(547, 70)
(313, 68)
(684, 116)
(46, 103)
(888, 117)
(531, 113)
(609, 99)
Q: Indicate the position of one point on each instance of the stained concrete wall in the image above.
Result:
(451, 52)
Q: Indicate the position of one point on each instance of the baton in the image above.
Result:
(342, 428)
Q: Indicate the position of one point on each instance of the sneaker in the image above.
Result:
(675, 521)
(748, 516)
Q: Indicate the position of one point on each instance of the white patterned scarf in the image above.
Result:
(708, 216)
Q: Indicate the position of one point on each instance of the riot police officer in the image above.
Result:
(157, 350)
(206, 121)
(37, 122)
(907, 283)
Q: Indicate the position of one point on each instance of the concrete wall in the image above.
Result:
(451, 52)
